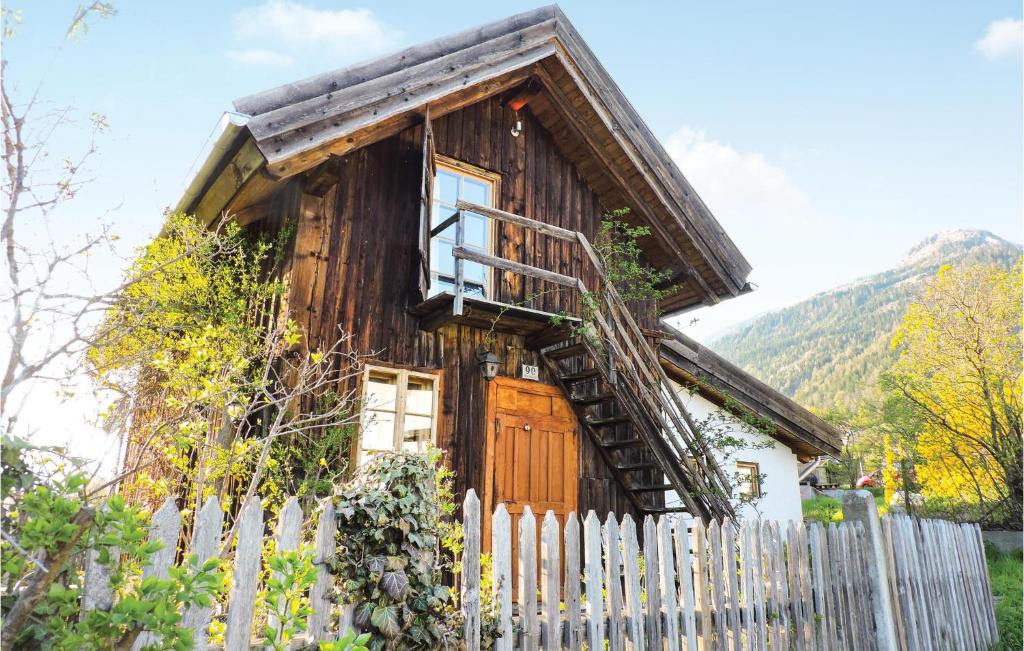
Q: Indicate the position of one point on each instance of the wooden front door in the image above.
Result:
(532, 454)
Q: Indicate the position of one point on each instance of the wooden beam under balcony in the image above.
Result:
(483, 313)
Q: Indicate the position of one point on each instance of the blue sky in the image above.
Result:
(827, 137)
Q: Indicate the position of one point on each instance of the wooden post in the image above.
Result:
(859, 506)
(460, 290)
(471, 570)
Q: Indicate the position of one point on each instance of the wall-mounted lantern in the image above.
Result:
(489, 364)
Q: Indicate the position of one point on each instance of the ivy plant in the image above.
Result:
(395, 544)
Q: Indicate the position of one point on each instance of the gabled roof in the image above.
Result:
(297, 126)
(715, 377)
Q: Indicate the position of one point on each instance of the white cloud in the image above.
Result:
(279, 30)
(737, 186)
(258, 57)
(1004, 38)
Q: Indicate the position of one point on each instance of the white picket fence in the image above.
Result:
(726, 586)
(691, 585)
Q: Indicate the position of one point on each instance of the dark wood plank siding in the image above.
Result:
(355, 268)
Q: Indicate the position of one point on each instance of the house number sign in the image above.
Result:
(530, 372)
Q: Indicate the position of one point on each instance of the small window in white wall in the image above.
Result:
(399, 411)
(749, 479)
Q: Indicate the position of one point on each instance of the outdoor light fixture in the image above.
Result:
(518, 128)
(489, 363)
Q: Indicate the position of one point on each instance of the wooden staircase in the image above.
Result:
(613, 378)
(631, 443)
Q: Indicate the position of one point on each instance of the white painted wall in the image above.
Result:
(780, 486)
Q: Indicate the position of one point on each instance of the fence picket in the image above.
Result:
(528, 580)
(795, 591)
(702, 583)
(631, 571)
(731, 600)
(785, 613)
(760, 618)
(979, 555)
(470, 577)
(165, 527)
(745, 584)
(613, 584)
(245, 578)
(206, 535)
(652, 569)
(747, 575)
(687, 591)
(573, 616)
(718, 586)
(289, 521)
(320, 593)
(806, 599)
(593, 573)
(96, 589)
(550, 569)
(667, 579)
(501, 573)
(773, 613)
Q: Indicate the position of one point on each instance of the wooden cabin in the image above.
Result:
(445, 201)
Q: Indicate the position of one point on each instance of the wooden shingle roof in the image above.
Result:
(298, 126)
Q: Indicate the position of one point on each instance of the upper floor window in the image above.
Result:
(399, 411)
(454, 182)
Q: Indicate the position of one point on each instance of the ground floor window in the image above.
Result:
(749, 476)
(399, 411)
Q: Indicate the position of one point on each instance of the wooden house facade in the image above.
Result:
(445, 200)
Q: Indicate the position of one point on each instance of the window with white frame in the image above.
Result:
(748, 477)
(399, 411)
(452, 183)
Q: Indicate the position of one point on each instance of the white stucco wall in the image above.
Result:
(780, 488)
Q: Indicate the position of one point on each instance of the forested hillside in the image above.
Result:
(830, 348)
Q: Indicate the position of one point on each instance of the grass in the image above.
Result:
(830, 509)
(1006, 572)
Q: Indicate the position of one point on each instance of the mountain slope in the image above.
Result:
(830, 348)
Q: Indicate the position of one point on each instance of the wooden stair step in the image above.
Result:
(653, 488)
(585, 374)
(565, 351)
(609, 420)
(594, 399)
(637, 466)
(625, 443)
(666, 509)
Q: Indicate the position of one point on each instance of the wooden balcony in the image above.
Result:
(540, 327)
